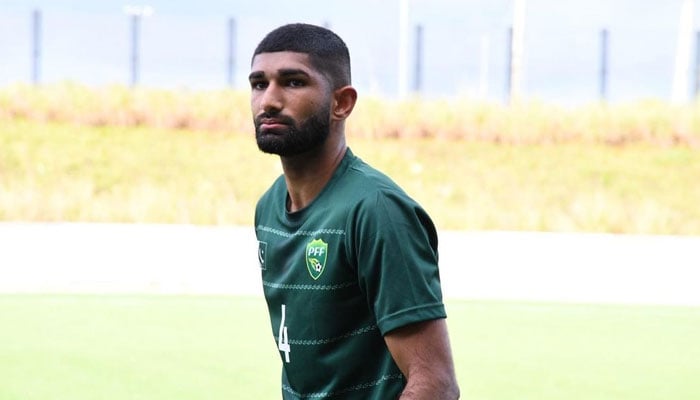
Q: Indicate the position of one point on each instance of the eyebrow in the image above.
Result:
(256, 75)
(292, 72)
(284, 72)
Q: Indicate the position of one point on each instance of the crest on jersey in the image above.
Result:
(262, 254)
(316, 256)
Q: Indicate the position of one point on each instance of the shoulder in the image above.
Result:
(377, 204)
(378, 189)
(369, 183)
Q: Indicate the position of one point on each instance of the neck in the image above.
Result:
(307, 174)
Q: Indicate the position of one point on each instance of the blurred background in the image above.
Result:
(567, 51)
(556, 145)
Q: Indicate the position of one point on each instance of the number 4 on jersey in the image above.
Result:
(283, 339)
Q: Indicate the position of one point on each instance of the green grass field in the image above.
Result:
(121, 347)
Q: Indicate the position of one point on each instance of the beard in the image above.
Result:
(297, 138)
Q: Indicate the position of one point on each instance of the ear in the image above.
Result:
(344, 100)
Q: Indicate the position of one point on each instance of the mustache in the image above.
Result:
(281, 118)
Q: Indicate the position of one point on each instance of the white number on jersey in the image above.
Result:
(283, 339)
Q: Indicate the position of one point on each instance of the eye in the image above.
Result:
(296, 83)
(258, 85)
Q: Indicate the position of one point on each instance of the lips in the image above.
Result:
(266, 123)
(271, 124)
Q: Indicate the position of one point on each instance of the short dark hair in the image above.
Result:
(326, 50)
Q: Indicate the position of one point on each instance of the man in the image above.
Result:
(348, 260)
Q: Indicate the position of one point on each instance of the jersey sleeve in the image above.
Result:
(393, 244)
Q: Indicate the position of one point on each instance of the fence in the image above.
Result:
(450, 54)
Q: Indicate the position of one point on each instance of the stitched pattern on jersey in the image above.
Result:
(314, 342)
(361, 386)
(317, 232)
(308, 287)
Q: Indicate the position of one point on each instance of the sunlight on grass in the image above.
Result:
(228, 111)
(114, 154)
(76, 347)
(59, 172)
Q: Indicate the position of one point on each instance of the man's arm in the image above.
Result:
(422, 352)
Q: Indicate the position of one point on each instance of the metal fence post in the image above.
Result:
(418, 71)
(36, 46)
(603, 78)
(231, 65)
(135, 22)
(509, 63)
(696, 91)
(136, 13)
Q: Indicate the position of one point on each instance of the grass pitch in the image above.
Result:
(192, 347)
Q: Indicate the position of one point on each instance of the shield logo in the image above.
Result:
(316, 256)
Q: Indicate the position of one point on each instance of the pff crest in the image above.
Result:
(316, 256)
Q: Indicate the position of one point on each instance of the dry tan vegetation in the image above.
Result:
(71, 153)
(652, 122)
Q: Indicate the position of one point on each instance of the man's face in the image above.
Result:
(290, 101)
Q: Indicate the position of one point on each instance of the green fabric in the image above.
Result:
(358, 262)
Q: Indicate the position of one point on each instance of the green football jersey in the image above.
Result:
(358, 262)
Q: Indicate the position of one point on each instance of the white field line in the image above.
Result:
(126, 258)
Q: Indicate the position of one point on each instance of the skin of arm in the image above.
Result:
(422, 353)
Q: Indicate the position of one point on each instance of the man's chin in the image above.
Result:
(266, 147)
(268, 139)
(284, 150)
(271, 144)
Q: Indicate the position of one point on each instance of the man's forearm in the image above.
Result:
(425, 389)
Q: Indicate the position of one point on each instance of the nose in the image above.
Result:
(271, 99)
